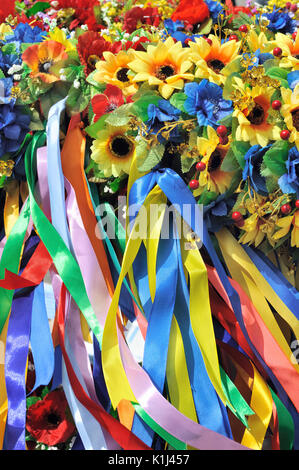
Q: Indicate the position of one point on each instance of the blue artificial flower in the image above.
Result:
(280, 22)
(14, 123)
(206, 102)
(158, 115)
(293, 79)
(8, 60)
(215, 8)
(216, 212)
(289, 182)
(252, 170)
(24, 33)
(176, 30)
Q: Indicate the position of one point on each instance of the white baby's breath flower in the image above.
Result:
(76, 83)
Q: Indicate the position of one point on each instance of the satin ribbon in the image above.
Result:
(119, 388)
(11, 207)
(16, 353)
(41, 340)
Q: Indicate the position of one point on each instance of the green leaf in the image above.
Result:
(151, 159)
(276, 157)
(120, 116)
(100, 86)
(94, 128)
(186, 163)
(230, 163)
(31, 401)
(207, 197)
(205, 27)
(280, 74)
(178, 100)
(242, 18)
(78, 99)
(37, 7)
(239, 149)
(140, 107)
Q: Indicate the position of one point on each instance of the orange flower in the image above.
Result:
(41, 57)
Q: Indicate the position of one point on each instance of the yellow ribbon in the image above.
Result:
(258, 290)
(3, 394)
(177, 374)
(201, 316)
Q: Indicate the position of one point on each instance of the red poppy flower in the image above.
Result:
(138, 16)
(6, 8)
(137, 45)
(191, 11)
(90, 49)
(106, 102)
(49, 421)
(84, 13)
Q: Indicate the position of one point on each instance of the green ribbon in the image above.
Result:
(13, 247)
(171, 440)
(239, 407)
(286, 427)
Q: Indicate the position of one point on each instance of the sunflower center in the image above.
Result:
(215, 161)
(121, 146)
(164, 72)
(256, 115)
(92, 60)
(122, 75)
(295, 116)
(216, 65)
(44, 65)
(53, 419)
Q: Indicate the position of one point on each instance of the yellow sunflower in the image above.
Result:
(258, 41)
(258, 225)
(213, 153)
(164, 65)
(114, 70)
(290, 50)
(253, 125)
(290, 112)
(113, 150)
(285, 225)
(211, 57)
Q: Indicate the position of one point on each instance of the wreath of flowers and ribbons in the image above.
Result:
(114, 336)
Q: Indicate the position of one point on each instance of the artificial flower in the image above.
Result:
(41, 57)
(83, 12)
(158, 117)
(205, 101)
(165, 65)
(90, 49)
(252, 169)
(59, 35)
(259, 224)
(24, 33)
(253, 119)
(191, 11)
(113, 150)
(104, 103)
(5, 29)
(212, 57)
(289, 181)
(285, 225)
(7, 8)
(114, 69)
(14, 122)
(49, 420)
(290, 112)
(136, 17)
(280, 22)
(290, 50)
(213, 153)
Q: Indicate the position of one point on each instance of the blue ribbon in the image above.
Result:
(171, 280)
(178, 193)
(41, 340)
(285, 290)
(17, 347)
